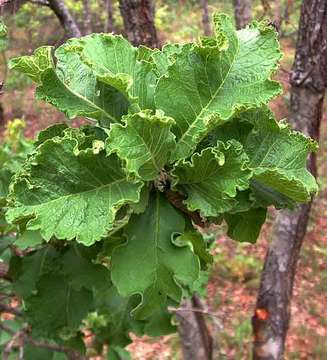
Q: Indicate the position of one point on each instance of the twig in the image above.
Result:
(41, 344)
(201, 311)
(39, 2)
(11, 343)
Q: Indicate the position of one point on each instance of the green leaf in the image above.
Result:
(198, 244)
(145, 143)
(210, 180)
(150, 264)
(28, 239)
(278, 157)
(82, 271)
(245, 226)
(36, 353)
(57, 306)
(26, 271)
(3, 37)
(118, 353)
(71, 194)
(34, 65)
(115, 62)
(117, 310)
(209, 82)
(71, 86)
(5, 178)
(50, 132)
(5, 242)
(164, 58)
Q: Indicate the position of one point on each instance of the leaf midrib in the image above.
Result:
(214, 95)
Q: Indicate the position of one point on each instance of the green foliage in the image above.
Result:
(179, 136)
(3, 36)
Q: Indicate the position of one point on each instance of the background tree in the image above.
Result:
(242, 11)
(308, 87)
(205, 17)
(87, 21)
(63, 14)
(110, 22)
(138, 17)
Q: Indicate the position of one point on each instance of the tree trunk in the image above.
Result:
(65, 18)
(242, 10)
(288, 10)
(266, 7)
(205, 17)
(110, 22)
(138, 17)
(308, 86)
(87, 17)
(197, 343)
(278, 14)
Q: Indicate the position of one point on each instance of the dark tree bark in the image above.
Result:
(65, 18)
(87, 21)
(110, 21)
(308, 87)
(242, 11)
(197, 343)
(138, 17)
(205, 17)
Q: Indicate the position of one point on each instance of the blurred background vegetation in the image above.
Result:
(234, 279)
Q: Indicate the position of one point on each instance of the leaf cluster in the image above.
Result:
(177, 137)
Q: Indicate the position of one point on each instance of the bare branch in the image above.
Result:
(38, 343)
(39, 2)
(11, 344)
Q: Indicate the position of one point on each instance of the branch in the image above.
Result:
(189, 309)
(41, 344)
(39, 2)
(11, 343)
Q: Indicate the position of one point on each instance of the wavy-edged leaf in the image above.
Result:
(211, 179)
(144, 142)
(208, 83)
(116, 63)
(71, 194)
(50, 132)
(199, 246)
(34, 65)
(278, 157)
(71, 86)
(149, 263)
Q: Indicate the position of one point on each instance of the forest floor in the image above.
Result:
(234, 278)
